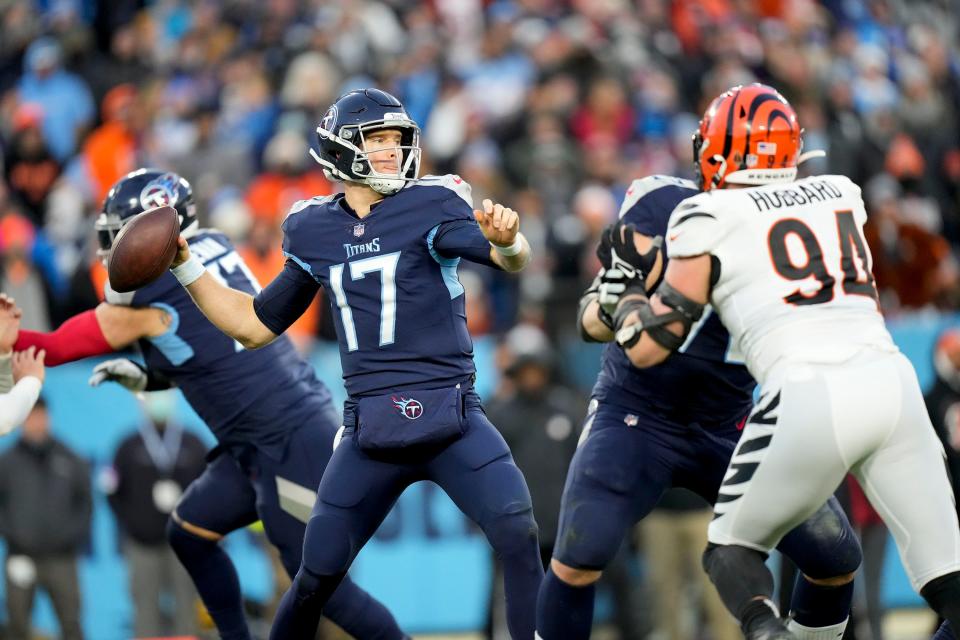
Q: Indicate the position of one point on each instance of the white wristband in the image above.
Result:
(511, 250)
(188, 272)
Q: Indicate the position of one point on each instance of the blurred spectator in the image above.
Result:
(605, 116)
(288, 177)
(63, 96)
(45, 510)
(913, 267)
(150, 470)
(19, 276)
(539, 417)
(674, 537)
(29, 168)
(263, 254)
(110, 151)
(122, 64)
(943, 400)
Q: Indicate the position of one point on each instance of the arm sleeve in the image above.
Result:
(460, 239)
(6, 373)
(285, 299)
(77, 338)
(15, 405)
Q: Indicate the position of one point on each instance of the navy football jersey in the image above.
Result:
(245, 397)
(703, 382)
(391, 279)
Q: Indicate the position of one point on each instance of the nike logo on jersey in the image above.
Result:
(364, 247)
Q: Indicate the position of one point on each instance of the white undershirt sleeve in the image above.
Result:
(17, 403)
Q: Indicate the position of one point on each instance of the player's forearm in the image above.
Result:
(78, 337)
(230, 310)
(592, 327)
(513, 258)
(645, 351)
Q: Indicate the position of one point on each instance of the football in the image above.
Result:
(144, 249)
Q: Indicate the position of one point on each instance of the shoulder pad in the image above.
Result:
(450, 181)
(117, 298)
(643, 186)
(695, 226)
(300, 205)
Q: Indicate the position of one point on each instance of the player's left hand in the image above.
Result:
(619, 253)
(499, 224)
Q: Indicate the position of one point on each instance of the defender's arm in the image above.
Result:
(100, 331)
(650, 329)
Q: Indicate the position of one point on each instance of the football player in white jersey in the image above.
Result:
(784, 263)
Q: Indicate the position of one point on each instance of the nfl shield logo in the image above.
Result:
(358, 230)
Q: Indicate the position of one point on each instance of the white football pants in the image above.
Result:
(865, 416)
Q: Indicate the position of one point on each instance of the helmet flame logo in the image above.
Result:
(409, 408)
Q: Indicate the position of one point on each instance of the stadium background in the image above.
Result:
(549, 106)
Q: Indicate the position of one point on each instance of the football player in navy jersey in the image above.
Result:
(387, 251)
(273, 419)
(673, 425)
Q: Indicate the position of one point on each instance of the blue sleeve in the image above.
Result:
(461, 239)
(285, 299)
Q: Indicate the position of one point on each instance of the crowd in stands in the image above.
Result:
(549, 106)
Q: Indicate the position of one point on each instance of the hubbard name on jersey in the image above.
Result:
(793, 262)
(243, 396)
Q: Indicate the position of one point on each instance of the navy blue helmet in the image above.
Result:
(341, 140)
(139, 191)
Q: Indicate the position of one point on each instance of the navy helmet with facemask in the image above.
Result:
(139, 191)
(346, 125)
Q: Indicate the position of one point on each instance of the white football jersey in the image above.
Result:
(795, 283)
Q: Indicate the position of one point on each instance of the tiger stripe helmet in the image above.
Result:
(749, 135)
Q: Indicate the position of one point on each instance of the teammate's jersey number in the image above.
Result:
(387, 266)
(856, 280)
(229, 267)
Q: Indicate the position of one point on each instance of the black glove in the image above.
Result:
(618, 253)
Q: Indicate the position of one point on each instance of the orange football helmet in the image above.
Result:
(748, 135)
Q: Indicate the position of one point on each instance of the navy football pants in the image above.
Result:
(477, 471)
(620, 472)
